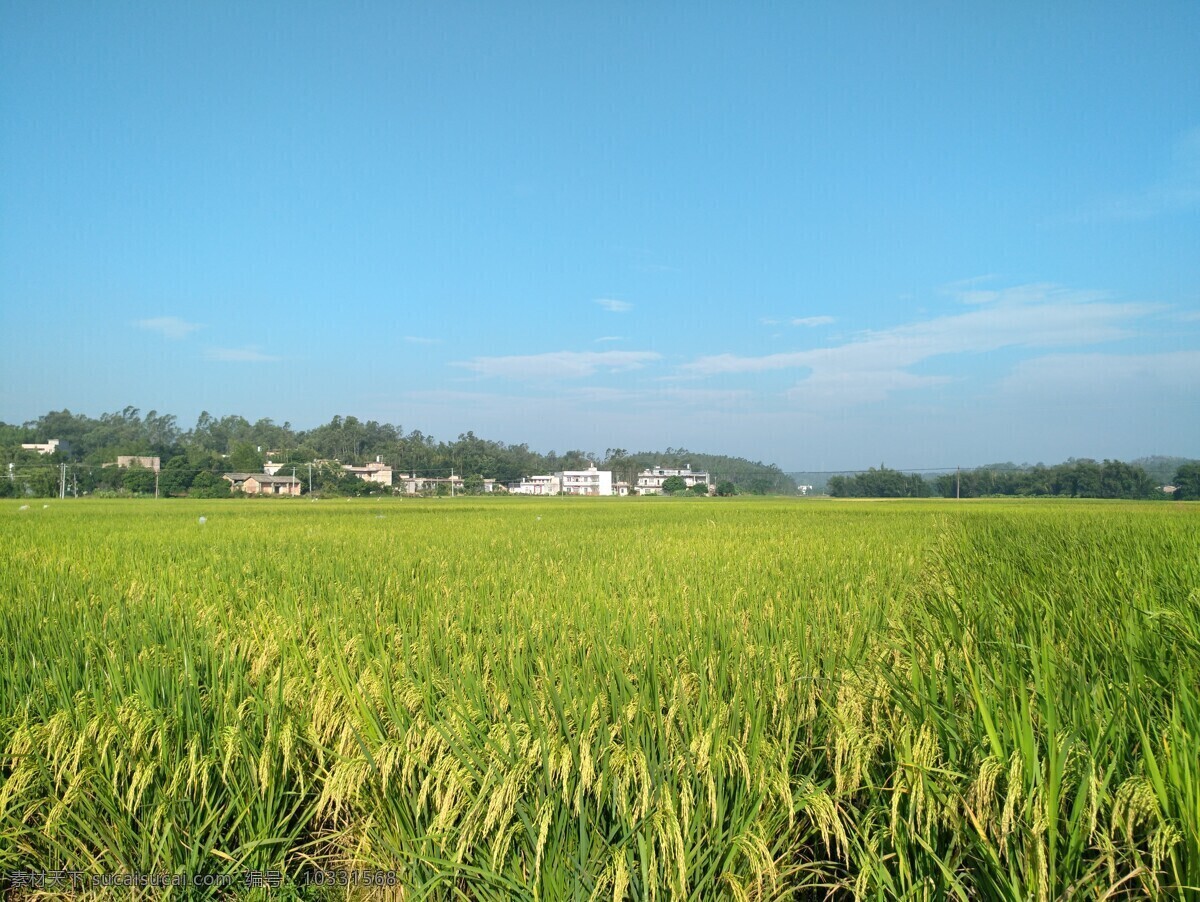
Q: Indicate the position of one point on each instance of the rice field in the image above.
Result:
(591, 699)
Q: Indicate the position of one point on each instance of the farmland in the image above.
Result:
(559, 698)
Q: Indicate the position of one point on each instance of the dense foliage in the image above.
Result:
(620, 700)
(881, 483)
(1072, 479)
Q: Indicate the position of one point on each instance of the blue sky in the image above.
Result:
(823, 235)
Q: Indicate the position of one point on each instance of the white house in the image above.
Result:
(47, 447)
(650, 481)
(586, 482)
(566, 482)
(551, 484)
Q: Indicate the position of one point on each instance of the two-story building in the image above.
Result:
(586, 482)
(650, 481)
(376, 471)
(566, 482)
(549, 484)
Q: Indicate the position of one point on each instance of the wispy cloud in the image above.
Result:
(168, 326)
(248, 354)
(1115, 376)
(807, 321)
(614, 306)
(568, 399)
(604, 338)
(559, 364)
(420, 340)
(877, 363)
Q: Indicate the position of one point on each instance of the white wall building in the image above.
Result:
(586, 482)
(536, 485)
(47, 447)
(566, 482)
(650, 481)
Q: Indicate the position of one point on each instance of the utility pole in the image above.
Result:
(310, 477)
(156, 484)
(62, 481)
(958, 483)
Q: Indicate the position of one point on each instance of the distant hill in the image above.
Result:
(1161, 468)
(750, 476)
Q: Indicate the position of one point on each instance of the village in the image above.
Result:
(592, 481)
(274, 480)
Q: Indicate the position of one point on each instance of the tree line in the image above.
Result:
(193, 459)
(1075, 478)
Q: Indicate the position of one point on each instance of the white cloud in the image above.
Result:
(878, 363)
(826, 387)
(614, 306)
(248, 354)
(419, 340)
(559, 364)
(811, 321)
(604, 338)
(1123, 378)
(168, 326)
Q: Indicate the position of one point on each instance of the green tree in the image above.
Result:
(673, 485)
(760, 485)
(726, 489)
(473, 485)
(1187, 482)
(209, 485)
(700, 489)
(138, 481)
(176, 476)
(245, 458)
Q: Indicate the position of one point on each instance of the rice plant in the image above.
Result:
(549, 699)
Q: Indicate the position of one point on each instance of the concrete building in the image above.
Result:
(47, 447)
(376, 471)
(586, 482)
(650, 481)
(427, 485)
(263, 484)
(566, 482)
(124, 461)
(536, 485)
